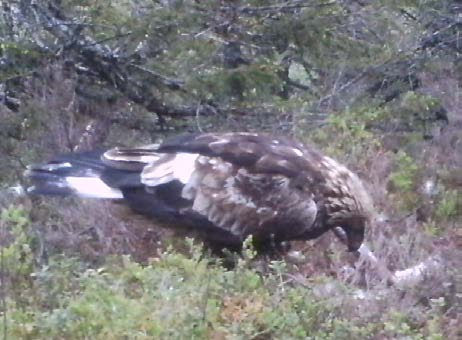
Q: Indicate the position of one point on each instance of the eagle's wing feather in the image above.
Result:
(244, 203)
(259, 152)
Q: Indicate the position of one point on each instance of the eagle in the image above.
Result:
(224, 187)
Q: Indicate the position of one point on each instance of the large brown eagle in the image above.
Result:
(224, 186)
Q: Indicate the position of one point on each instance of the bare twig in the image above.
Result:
(283, 7)
(172, 83)
(206, 297)
(198, 122)
(3, 280)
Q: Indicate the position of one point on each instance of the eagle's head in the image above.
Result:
(346, 202)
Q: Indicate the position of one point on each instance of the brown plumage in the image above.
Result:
(225, 186)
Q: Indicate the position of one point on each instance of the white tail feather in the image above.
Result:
(92, 187)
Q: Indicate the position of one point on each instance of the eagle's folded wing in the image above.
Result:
(242, 183)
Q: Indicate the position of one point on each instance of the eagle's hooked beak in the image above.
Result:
(353, 237)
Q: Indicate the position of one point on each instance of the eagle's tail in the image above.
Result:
(78, 174)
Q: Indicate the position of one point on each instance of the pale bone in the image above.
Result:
(401, 278)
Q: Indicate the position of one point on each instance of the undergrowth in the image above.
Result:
(189, 295)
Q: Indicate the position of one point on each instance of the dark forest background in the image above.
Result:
(374, 84)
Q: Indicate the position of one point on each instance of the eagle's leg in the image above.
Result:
(272, 247)
(282, 247)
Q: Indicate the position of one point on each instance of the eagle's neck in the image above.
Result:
(341, 195)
